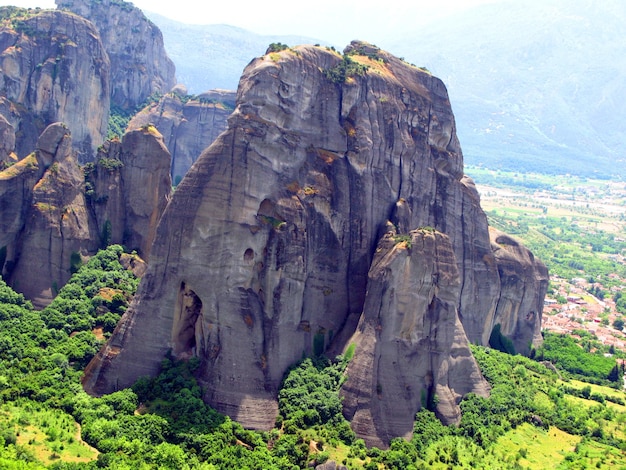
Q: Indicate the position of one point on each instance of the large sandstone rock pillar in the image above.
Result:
(411, 349)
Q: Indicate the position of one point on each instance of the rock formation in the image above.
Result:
(16, 188)
(523, 286)
(139, 63)
(411, 346)
(7, 142)
(267, 250)
(53, 67)
(129, 187)
(330, 465)
(188, 124)
(56, 230)
(48, 222)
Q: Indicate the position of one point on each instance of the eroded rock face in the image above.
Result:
(524, 283)
(7, 142)
(57, 229)
(188, 125)
(410, 344)
(16, 187)
(146, 187)
(49, 222)
(263, 253)
(139, 63)
(130, 186)
(53, 68)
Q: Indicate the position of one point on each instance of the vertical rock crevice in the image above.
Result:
(187, 338)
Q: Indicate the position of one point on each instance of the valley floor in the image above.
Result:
(577, 226)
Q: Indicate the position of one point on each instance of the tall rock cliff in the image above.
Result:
(50, 219)
(129, 187)
(56, 229)
(53, 67)
(189, 124)
(411, 346)
(139, 63)
(524, 283)
(268, 248)
(16, 192)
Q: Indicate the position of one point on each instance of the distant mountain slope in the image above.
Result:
(534, 85)
(213, 56)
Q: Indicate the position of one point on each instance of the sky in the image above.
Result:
(337, 21)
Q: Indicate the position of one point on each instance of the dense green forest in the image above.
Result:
(46, 421)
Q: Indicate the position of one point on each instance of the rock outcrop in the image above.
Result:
(53, 67)
(139, 63)
(267, 250)
(16, 191)
(523, 286)
(7, 142)
(189, 124)
(129, 187)
(56, 229)
(411, 346)
(49, 222)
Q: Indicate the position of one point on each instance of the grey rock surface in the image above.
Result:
(139, 64)
(524, 283)
(53, 68)
(410, 344)
(56, 227)
(264, 251)
(188, 124)
(50, 219)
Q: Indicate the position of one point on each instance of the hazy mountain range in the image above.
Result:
(535, 86)
(213, 56)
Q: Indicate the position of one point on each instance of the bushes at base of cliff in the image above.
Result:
(564, 353)
(96, 295)
(309, 397)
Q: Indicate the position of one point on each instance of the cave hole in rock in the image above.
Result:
(248, 255)
(268, 214)
(267, 208)
(187, 328)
